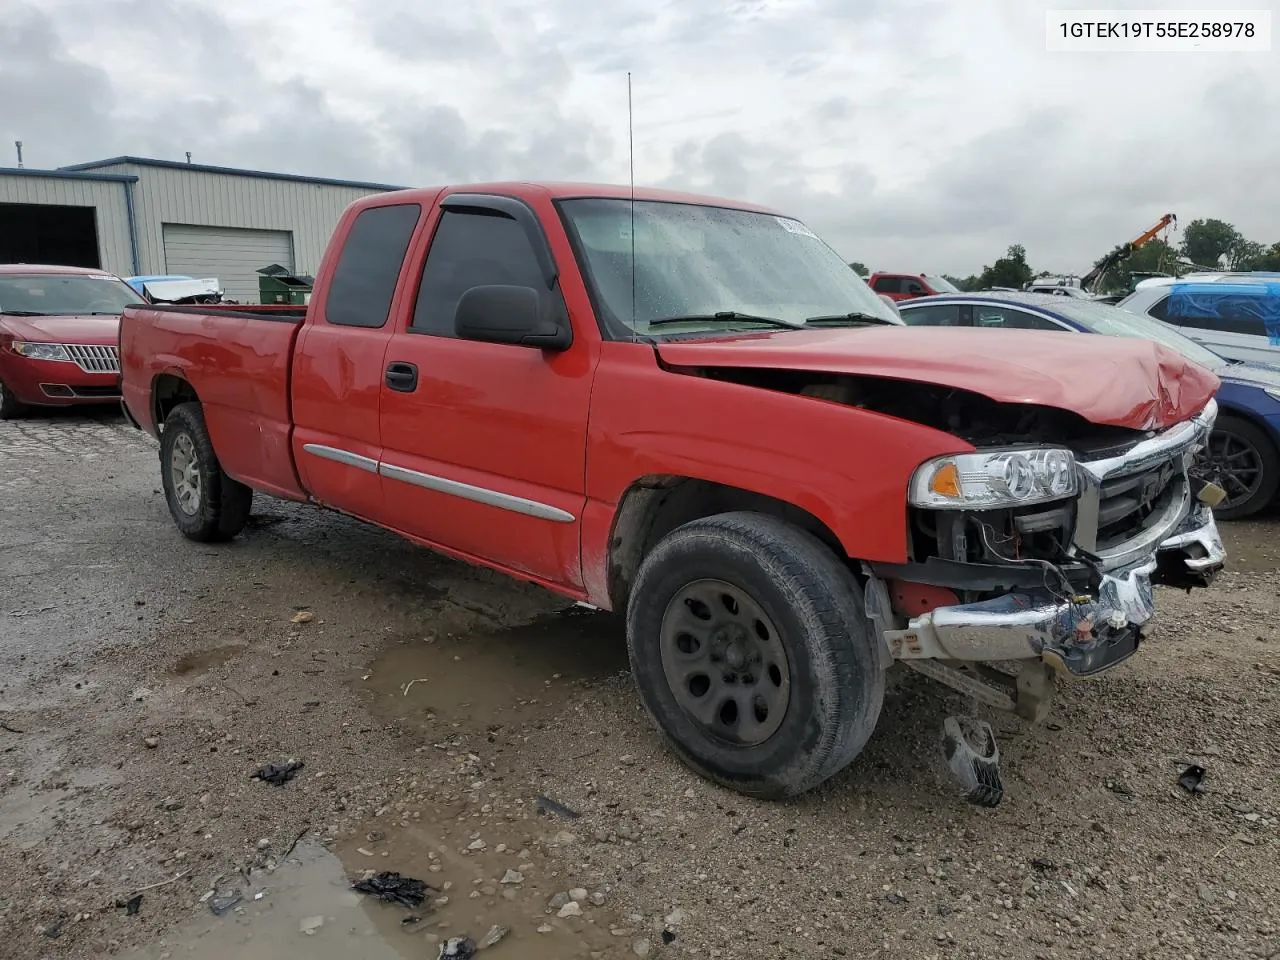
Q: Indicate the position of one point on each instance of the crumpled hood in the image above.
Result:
(1117, 381)
(94, 331)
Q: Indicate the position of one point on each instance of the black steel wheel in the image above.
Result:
(753, 654)
(725, 663)
(1247, 466)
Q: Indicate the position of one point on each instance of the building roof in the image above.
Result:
(227, 171)
(31, 269)
(68, 174)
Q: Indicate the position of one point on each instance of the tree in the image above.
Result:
(1243, 254)
(1011, 270)
(1268, 259)
(1154, 256)
(860, 269)
(1207, 242)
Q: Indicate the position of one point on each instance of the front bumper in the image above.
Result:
(57, 382)
(1079, 636)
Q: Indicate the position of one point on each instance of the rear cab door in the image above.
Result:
(484, 444)
(338, 361)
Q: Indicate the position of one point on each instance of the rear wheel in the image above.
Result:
(10, 406)
(752, 653)
(1247, 465)
(206, 504)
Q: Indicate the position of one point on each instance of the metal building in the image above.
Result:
(132, 216)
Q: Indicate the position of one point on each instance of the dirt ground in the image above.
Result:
(143, 679)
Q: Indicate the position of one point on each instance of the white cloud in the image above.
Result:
(912, 134)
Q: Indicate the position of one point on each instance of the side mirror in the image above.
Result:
(498, 313)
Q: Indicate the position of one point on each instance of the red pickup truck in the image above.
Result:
(691, 411)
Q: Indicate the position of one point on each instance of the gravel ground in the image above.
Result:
(145, 679)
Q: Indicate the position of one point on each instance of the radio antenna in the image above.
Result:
(631, 156)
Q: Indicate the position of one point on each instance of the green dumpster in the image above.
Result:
(277, 284)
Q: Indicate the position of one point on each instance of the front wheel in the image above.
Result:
(752, 652)
(1247, 464)
(206, 504)
(10, 406)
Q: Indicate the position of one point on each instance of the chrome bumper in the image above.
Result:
(1079, 636)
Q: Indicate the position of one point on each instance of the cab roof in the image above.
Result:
(563, 190)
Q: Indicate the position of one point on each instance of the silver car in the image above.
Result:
(1235, 315)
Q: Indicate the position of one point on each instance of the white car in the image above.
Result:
(1237, 315)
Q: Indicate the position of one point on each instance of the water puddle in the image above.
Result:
(500, 675)
(309, 893)
(308, 909)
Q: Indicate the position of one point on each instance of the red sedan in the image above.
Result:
(59, 328)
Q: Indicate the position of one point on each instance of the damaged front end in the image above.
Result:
(1028, 564)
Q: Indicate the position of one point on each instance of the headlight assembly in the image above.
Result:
(40, 351)
(991, 480)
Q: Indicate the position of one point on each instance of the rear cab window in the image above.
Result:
(364, 280)
(887, 285)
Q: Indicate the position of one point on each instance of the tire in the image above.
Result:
(11, 408)
(210, 506)
(817, 630)
(1242, 435)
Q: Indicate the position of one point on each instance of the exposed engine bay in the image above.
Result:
(972, 417)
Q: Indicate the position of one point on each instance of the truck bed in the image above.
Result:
(237, 358)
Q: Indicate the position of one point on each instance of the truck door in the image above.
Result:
(484, 444)
(338, 368)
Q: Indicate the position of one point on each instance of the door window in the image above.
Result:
(1225, 313)
(470, 249)
(933, 315)
(990, 315)
(914, 287)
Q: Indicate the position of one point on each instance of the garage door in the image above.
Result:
(232, 255)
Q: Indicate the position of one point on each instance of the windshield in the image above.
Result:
(693, 261)
(1112, 321)
(941, 284)
(53, 295)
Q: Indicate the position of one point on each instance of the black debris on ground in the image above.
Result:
(278, 774)
(457, 948)
(548, 806)
(131, 906)
(393, 888)
(1192, 779)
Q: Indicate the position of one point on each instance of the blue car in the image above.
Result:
(1244, 450)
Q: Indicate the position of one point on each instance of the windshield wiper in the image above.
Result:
(25, 313)
(723, 316)
(837, 319)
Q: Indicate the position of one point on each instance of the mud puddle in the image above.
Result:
(495, 677)
(307, 907)
(309, 893)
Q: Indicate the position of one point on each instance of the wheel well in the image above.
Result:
(166, 393)
(654, 506)
(1253, 420)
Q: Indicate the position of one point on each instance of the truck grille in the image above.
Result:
(1127, 503)
(94, 359)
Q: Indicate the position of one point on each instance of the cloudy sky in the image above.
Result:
(921, 135)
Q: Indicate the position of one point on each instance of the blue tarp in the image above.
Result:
(1236, 307)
